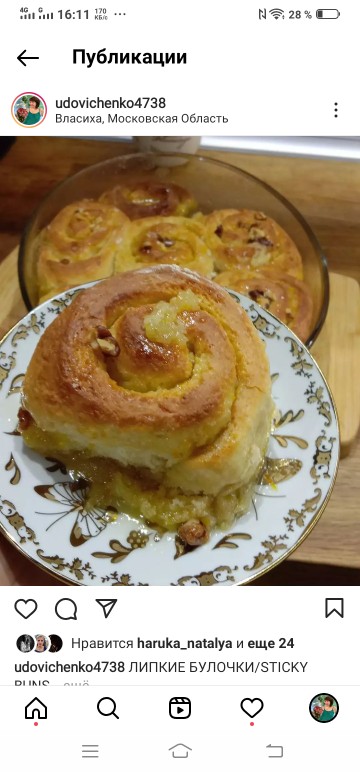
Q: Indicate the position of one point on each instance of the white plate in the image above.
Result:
(41, 509)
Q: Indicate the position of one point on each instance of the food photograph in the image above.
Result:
(179, 399)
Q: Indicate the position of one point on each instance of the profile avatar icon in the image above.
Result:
(55, 644)
(42, 643)
(29, 110)
(324, 708)
(25, 643)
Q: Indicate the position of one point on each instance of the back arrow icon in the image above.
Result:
(21, 57)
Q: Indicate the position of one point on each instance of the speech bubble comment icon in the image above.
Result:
(66, 609)
(251, 706)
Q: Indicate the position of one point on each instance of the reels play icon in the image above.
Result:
(180, 707)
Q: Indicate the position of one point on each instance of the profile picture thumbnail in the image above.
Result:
(29, 110)
(25, 643)
(42, 643)
(55, 644)
(324, 708)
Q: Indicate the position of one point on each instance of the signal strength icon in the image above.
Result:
(277, 13)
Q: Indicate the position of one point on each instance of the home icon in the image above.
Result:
(180, 751)
(35, 709)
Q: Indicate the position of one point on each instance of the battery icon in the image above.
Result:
(327, 13)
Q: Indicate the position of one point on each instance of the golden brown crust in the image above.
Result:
(287, 298)
(166, 240)
(207, 400)
(248, 239)
(146, 198)
(79, 246)
(89, 240)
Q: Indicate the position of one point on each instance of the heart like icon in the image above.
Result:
(26, 608)
(251, 707)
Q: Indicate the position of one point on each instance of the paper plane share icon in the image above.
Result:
(106, 605)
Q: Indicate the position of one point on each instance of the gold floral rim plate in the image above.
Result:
(43, 510)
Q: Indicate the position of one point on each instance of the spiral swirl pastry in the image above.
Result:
(243, 238)
(147, 198)
(156, 385)
(171, 240)
(79, 245)
(287, 298)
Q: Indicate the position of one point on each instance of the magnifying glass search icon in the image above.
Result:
(107, 707)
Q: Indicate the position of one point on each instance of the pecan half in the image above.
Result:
(193, 533)
(102, 332)
(166, 242)
(254, 294)
(108, 345)
(25, 419)
(263, 240)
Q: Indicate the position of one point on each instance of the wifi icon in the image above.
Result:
(277, 13)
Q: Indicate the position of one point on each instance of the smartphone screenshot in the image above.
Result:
(179, 408)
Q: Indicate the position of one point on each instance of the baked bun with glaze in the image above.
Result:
(169, 240)
(247, 239)
(155, 386)
(148, 198)
(78, 246)
(287, 298)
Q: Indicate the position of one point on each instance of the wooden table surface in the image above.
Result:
(327, 193)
